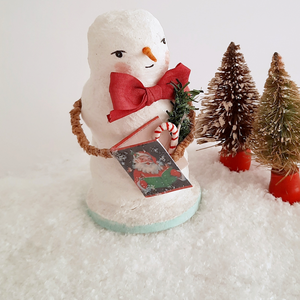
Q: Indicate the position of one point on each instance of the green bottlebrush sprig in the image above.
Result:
(181, 108)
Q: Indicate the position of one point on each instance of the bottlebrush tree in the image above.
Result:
(228, 106)
(276, 135)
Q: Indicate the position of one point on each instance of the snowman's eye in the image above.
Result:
(118, 53)
(164, 40)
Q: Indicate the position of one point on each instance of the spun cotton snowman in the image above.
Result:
(133, 44)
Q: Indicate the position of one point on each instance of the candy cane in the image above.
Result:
(172, 129)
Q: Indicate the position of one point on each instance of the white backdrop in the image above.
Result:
(44, 66)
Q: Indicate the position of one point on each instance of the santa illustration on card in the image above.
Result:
(150, 174)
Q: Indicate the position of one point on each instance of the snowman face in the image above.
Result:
(131, 42)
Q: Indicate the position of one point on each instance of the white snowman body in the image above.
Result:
(116, 41)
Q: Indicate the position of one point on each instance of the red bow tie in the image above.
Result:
(129, 95)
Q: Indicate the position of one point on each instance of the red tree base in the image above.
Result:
(288, 188)
(240, 162)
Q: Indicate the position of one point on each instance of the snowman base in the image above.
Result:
(146, 215)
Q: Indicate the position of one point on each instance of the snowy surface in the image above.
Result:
(241, 244)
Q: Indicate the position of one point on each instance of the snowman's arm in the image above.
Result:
(81, 137)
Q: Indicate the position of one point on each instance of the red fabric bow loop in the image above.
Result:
(129, 95)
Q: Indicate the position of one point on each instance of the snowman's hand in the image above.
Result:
(81, 137)
(175, 173)
(143, 184)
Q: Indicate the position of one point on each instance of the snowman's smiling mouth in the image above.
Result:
(150, 66)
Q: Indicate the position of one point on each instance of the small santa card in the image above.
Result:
(148, 163)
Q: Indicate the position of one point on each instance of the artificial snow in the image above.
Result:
(241, 244)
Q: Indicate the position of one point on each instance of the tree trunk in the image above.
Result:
(240, 162)
(285, 187)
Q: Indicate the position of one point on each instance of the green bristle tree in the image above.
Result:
(276, 135)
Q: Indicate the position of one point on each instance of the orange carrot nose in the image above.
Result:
(148, 52)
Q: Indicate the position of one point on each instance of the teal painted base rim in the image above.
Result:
(149, 228)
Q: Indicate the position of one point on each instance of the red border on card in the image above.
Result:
(116, 147)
